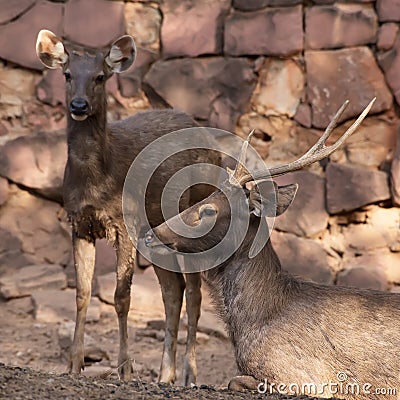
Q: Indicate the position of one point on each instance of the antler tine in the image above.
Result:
(317, 152)
(329, 129)
(240, 169)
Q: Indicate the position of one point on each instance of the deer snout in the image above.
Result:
(79, 109)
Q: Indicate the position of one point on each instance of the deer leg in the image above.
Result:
(84, 256)
(193, 305)
(122, 300)
(172, 288)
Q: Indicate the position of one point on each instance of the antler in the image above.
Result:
(240, 169)
(316, 153)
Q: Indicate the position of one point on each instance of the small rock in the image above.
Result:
(306, 216)
(156, 324)
(328, 86)
(52, 306)
(387, 35)
(303, 115)
(340, 25)
(201, 21)
(301, 257)
(31, 278)
(279, 89)
(81, 22)
(273, 31)
(346, 187)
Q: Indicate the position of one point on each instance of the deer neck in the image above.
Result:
(88, 139)
(250, 292)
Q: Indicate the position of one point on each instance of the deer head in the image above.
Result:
(264, 199)
(86, 71)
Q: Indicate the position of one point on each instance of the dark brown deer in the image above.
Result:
(285, 330)
(99, 156)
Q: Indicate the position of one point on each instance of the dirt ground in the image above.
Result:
(33, 358)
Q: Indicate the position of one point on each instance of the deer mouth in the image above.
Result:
(79, 117)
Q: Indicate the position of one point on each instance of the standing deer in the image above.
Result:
(285, 330)
(99, 156)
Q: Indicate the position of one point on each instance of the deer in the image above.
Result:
(285, 330)
(99, 156)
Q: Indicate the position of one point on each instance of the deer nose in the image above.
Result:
(149, 237)
(79, 106)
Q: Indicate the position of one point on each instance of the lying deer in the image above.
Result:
(283, 329)
(99, 156)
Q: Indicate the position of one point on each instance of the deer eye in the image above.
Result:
(207, 210)
(67, 76)
(100, 78)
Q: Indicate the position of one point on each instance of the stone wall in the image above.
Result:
(281, 67)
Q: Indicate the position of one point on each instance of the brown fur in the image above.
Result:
(290, 331)
(99, 156)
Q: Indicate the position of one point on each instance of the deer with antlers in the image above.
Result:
(285, 330)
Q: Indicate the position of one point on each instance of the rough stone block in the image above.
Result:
(206, 88)
(340, 25)
(251, 5)
(306, 216)
(390, 64)
(82, 19)
(130, 82)
(25, 29)
(362, 277)
(273, 31)
(279, 89)
(336, 75)
(388, 10)
(52, 306)
(3, 190)
(32, 278)
(305, 258)
(36, 161)
(349, 188)
(387, 35)
(395, 173)
(143, 24)
(193, 28)
(10, 10)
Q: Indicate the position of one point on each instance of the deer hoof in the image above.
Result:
(242, 383)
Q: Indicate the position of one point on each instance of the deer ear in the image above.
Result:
(268, 199)
(50, 50)
(122, 54)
